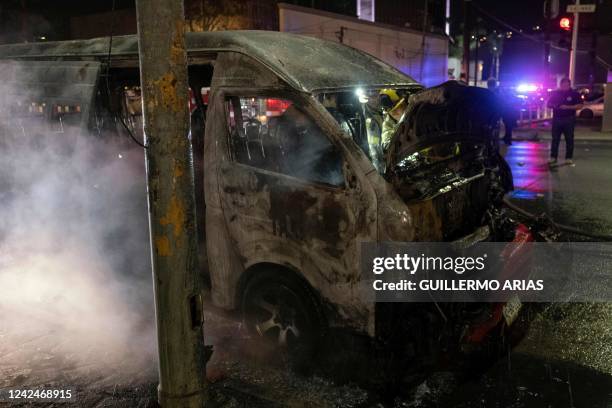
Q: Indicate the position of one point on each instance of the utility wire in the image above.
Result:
(518, 30)
(533, 38)
(107, 75)
(507, 25)
(603, 62)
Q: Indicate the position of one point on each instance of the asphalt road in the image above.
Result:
(578, 195)
(565, 361)
(566, 358)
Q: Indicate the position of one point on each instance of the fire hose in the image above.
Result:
(560, 227)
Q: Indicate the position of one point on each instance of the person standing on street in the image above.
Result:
(564, 102)
(506, 107)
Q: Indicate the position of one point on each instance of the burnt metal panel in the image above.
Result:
(442, 113)
(306, 63)
(52, 83)
(239, 70)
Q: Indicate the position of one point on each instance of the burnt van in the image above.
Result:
(292, 173)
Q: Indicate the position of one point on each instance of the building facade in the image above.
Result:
(421, 55)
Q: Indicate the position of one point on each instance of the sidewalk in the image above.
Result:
(541, 131)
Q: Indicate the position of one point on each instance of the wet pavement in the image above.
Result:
(578, 195)
(564, 361)
(566, 358)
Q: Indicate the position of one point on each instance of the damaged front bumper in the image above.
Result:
(434, 333)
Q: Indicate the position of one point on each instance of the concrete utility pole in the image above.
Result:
(476, 64)
(606, 125)
(546, 76)
(424, 41)
(572, 67)
(466, 41)
(551, 11)
(177, 281)
(447, 11)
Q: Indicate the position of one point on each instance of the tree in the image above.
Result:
(218, 15)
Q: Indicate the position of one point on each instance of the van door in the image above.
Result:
(280, 190)
(283, 184)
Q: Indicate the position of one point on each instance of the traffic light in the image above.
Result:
(565, 23)
(565, 32)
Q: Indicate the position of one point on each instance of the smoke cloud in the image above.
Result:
(75, 280)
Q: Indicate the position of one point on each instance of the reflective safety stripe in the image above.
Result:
(373, 129)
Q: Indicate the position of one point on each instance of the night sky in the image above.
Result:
(522, 59)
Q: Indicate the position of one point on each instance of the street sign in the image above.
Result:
(581, 8)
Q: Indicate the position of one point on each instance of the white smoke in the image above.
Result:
(75, 280)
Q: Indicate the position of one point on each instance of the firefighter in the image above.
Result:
(394, 107)
(374, 121)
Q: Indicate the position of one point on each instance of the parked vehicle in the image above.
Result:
(592, 109)
(286, 184)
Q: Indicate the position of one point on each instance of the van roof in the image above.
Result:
(307, 63)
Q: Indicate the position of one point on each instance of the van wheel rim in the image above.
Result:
(280, 322)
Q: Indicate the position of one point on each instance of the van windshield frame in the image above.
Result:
(357, 112)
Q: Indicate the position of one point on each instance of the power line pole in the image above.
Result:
(466, 41)
(447, 11)
(423, 40)
(573, 53)
(476, 63)
(546, 54)
(593, 58)
(551, 11)
(177, 281)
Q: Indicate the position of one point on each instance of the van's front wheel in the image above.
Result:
(282, 311)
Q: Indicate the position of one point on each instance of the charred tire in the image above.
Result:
(586, 114)
(283, 311)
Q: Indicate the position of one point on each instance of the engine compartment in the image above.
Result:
(444, 159)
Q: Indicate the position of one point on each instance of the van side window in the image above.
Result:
(276, 135)
(44, 115)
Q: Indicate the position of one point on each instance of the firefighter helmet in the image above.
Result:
(388, 98)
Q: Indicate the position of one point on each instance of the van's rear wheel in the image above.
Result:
(282, 311)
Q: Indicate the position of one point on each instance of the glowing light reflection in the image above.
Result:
(529, 169)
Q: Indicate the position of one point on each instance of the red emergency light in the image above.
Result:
(276, 107)
(565, 24)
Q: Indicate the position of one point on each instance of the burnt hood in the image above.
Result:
(450, 111)
(444, 161)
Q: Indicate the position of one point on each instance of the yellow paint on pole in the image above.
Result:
(177, 52)
(162, 246)
(163, 73)
(167, 84)
(178, 171)
(175, 216)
